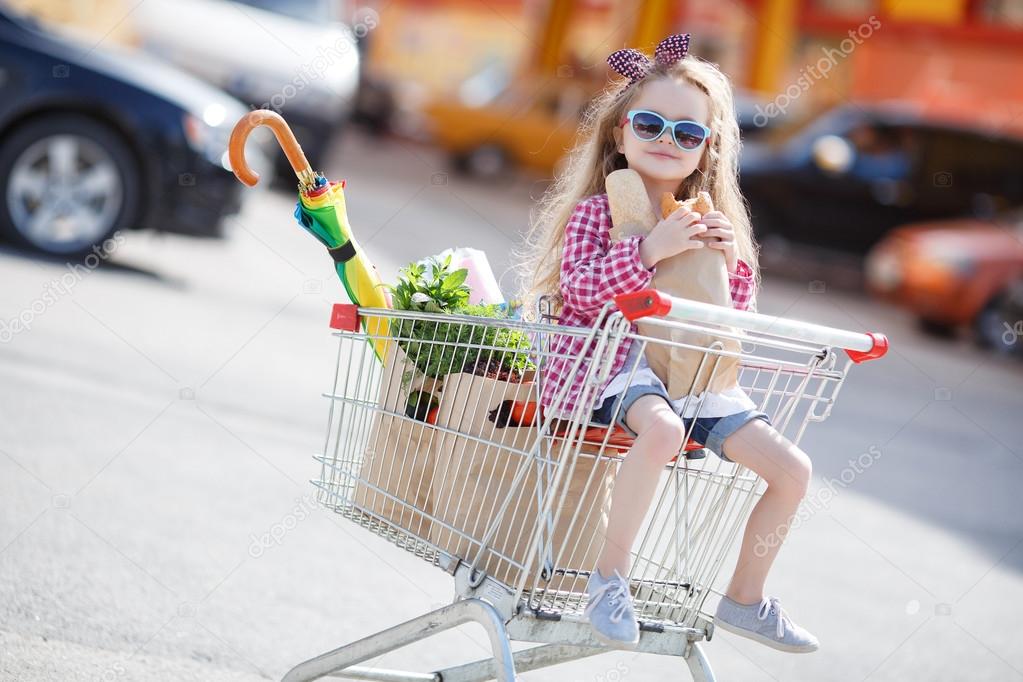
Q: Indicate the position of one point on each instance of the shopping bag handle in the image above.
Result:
(860, 346)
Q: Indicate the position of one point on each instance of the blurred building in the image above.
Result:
(940, 51)
(944, 53)
(91, 19)
(955, 57)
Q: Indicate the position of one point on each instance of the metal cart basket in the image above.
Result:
(438, 441)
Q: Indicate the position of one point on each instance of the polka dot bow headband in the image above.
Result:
(634, 65)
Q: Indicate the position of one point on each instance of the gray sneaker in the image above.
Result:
(766, 623)
(610, 610)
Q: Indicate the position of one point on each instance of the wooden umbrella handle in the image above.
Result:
(249, 122)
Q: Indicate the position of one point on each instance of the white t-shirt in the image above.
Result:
(709, 404)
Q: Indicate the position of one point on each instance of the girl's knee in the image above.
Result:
(668, 431)
(661, 430)
(794, 477)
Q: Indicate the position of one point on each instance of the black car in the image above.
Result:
(93, 141)
(849, 176)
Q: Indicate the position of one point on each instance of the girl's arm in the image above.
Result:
(742, 286)
(589, 276)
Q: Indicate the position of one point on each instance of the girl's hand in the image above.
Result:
(720, 227)
(671, 236)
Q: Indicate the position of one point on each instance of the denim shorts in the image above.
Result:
(710, 431)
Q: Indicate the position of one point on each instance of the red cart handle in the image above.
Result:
(860, 346)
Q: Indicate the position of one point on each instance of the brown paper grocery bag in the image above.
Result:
(697, 274)
(399, 460)
(472, 478)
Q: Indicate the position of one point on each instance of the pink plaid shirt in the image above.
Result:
(593, 270)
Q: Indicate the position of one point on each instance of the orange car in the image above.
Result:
(954, 273)
(496, 121)
(531, 124)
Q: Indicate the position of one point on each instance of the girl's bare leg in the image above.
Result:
(786, 469)
(660, 433)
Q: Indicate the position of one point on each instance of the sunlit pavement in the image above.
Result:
(157, 423)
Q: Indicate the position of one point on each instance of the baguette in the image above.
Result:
(701, 203)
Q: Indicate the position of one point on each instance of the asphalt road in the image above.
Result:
(158, 418)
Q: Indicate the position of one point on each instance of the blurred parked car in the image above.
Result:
(523, 125)
(846, 178)
(955, 273)
(292, 56)
(495, 121)
(93, 141)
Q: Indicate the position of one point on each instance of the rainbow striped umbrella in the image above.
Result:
(321, 211)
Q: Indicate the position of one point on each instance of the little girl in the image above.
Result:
(673, 123)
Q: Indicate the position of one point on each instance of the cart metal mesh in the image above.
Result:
(464, 471)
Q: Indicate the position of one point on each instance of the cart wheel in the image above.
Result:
(940, 330)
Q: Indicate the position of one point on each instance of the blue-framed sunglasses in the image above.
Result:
(649, 125)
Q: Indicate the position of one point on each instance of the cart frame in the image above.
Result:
(699, 509)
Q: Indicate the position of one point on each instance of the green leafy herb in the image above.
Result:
(439, 348)
(442, 291)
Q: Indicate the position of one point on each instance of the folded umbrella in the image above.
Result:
(321, 211)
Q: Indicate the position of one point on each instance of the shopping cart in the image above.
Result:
(443, 450)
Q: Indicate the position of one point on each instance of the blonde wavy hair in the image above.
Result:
(596, 155)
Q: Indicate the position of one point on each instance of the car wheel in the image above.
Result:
(375, 106)
(999, 326)
(775, 250)
(486, 161)
(763, 220)
(938, 329)
(69, 183)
